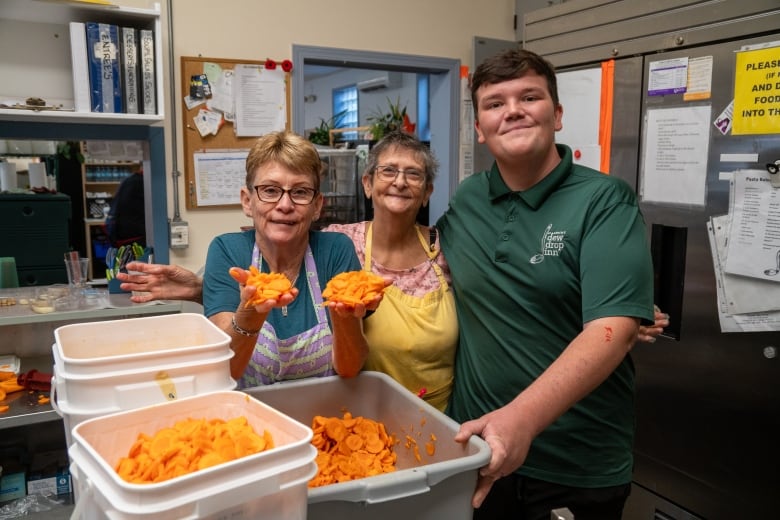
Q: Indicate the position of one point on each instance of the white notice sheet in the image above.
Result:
(674, 168)
(667, 77)
(754, 237)
(751, 322)
(743, 294)
(260, 98)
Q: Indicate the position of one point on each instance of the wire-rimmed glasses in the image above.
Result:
(413, 176)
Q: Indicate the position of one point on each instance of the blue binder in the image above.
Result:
(103, 49)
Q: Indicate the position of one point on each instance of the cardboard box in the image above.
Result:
(48, 474)
(57, 484)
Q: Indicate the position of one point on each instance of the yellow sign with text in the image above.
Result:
(757, 92)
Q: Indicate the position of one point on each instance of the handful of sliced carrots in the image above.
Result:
(353, 287)
(270, 286)
(350, 448)
(190, 445)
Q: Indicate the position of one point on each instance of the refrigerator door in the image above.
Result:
(708, 403)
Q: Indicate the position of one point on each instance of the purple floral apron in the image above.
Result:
(307, 354)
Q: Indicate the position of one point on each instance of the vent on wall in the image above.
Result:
(381, 81)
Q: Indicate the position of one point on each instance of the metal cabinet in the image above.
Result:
(36, 232)
(341, 188)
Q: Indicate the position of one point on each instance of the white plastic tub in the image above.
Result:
(155, 383)
(112, 366)
(270, 484)
(137, 343)
(437, 487)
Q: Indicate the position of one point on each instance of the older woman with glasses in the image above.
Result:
(413, 335)
(295, 336)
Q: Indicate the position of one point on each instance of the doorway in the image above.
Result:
(444, 99)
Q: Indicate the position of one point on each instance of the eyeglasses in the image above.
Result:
(390, 173)
(271, 193)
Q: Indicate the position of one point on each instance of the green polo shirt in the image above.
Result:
(529, 269)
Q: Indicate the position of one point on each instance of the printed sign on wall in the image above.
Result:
(757, 92)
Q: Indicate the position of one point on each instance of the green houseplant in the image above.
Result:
(321, 134)
(382, 123)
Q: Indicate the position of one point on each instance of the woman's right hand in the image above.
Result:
(248, 293)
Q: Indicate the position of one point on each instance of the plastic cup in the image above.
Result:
(8, 180)
(37, 175)
(9, 278)
(78, 269)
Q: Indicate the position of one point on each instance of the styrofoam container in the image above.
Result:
(130, 344)
(438, 486)
(271, 484)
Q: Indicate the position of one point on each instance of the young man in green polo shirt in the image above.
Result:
(552, 275)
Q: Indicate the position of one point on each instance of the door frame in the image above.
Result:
(444, 103)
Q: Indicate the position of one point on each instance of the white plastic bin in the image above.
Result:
(137, 343)
(128, 389)
(270, 484)
(112, 366)
(439, 486)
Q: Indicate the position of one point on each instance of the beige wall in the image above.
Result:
(252, 29)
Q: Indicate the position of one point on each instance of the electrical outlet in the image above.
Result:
(180, 235)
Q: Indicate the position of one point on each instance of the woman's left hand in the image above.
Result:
(358, 310)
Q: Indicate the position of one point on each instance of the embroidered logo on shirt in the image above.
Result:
(551, 244)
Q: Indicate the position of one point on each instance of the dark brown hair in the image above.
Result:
(512, 64)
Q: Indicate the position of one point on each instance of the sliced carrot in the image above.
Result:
(349, 448)
(269, 286)
(188, 446)
(353, 287)
(11, 385)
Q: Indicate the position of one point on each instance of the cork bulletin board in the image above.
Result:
(226, 105)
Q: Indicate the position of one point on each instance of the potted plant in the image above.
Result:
(321, 134)
(395, 119)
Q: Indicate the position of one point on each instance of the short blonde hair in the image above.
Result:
(288, 149)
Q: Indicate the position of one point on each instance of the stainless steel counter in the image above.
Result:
(29, 334)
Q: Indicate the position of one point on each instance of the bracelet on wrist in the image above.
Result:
(242, 331)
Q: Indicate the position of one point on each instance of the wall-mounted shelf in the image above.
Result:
(47, 72)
